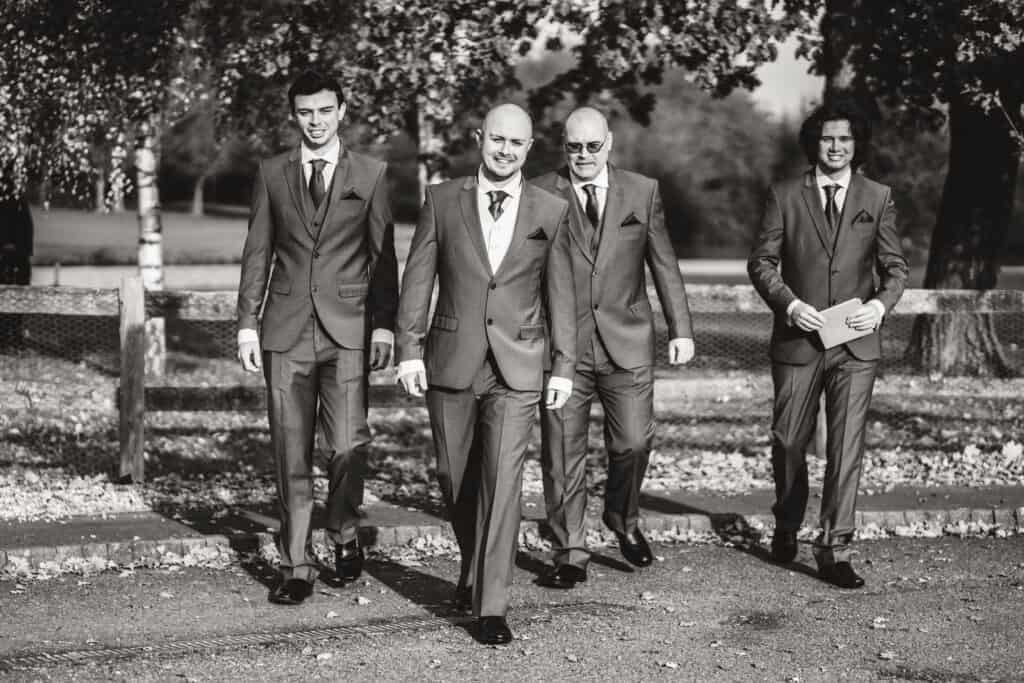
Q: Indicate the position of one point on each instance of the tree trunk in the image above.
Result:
(197, 195)
(432, 163)
(117, 192)
(100, 185)
(970, 234)
(150, 241)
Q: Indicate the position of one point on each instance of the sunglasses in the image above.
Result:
(593, 147)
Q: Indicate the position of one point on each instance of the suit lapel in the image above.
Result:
(524, 220)
(853, 203)
(614, 213)
(812, 199)
(564, 185)
(471, 220)
(341, 185)
(294, 180)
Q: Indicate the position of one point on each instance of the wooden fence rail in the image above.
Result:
(132, 306)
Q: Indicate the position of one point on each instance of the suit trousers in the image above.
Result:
(627, 397)
(480, 436)
(847, 383)
(316, 382)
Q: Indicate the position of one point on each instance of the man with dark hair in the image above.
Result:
(825, 238)
(321, 240)
(498, 248)
(617, 227)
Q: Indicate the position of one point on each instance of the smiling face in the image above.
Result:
(504, 139)
(587, 143)
(318, 117)
(835, 146)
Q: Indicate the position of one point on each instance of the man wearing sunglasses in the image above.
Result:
(617, 225)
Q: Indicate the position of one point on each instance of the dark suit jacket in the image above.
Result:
(339, 261)
(794, 259)
(611, 287)
(512, 312)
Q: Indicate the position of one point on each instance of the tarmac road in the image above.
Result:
(934, 610)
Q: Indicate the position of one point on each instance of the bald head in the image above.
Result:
(504, 138)
(587, 142)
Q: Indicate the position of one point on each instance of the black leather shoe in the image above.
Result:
(493, 631)
(348, 560)
(563, 576)
(291, 592)
(840, 574)
(634, 548)
(463, 598)
(784, 546)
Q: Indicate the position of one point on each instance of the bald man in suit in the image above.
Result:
(617, 227)
(498, 248)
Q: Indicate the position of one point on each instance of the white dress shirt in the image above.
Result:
(498, 233)
(330, 153)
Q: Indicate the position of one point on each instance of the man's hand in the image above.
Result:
(249, 356)
(414, 381)
(867, 317)
(557, 393)
(806, 317)
(380, 355)
(680, 351)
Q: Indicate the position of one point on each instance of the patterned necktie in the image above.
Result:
(317, 187)
(593, 214)
(497, 197)
(831, 207)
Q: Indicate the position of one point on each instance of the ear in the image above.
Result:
(341, 112)
(478, 135)
(529, 144)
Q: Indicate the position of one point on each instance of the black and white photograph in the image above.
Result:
(512, 340)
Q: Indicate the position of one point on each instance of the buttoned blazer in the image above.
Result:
(523, 313)
(795, 258)
(611, 284)
(338, 261)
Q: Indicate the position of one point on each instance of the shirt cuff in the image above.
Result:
(246, 335)
(384, 336)
(560, 384)
(409, 367)
(880, 306)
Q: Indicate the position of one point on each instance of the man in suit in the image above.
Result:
(616, 226)
(825, 237)
(321, 240)
(498, 248)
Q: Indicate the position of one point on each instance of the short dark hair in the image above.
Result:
(312, 82)
(837, 109)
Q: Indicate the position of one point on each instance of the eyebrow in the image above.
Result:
(496, 136)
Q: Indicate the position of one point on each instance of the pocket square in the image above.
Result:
(863, 217)
(349, 193)
(537, 234)
(631, 219)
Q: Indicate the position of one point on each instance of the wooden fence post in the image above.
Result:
(133, 378)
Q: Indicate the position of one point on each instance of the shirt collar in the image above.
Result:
(512, 189)
(822, 180)
(600, 180)
(328, 153)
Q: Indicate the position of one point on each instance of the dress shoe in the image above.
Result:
(784, 546)
(563, 576)
(840, 574)
(634, 548)
(291, 592)
(463, 598)
(493, 631)
(348, 560)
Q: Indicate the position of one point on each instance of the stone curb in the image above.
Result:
(143, 552)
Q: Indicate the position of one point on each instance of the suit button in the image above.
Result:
(594, 274)
(595, 307)
(494, 286)
(835, 271)
(490, 321)
(316, 254)
(316, 289)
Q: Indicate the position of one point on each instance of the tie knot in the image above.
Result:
(830, 190)
(318, 165)
(497, 197)
(590, 189)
